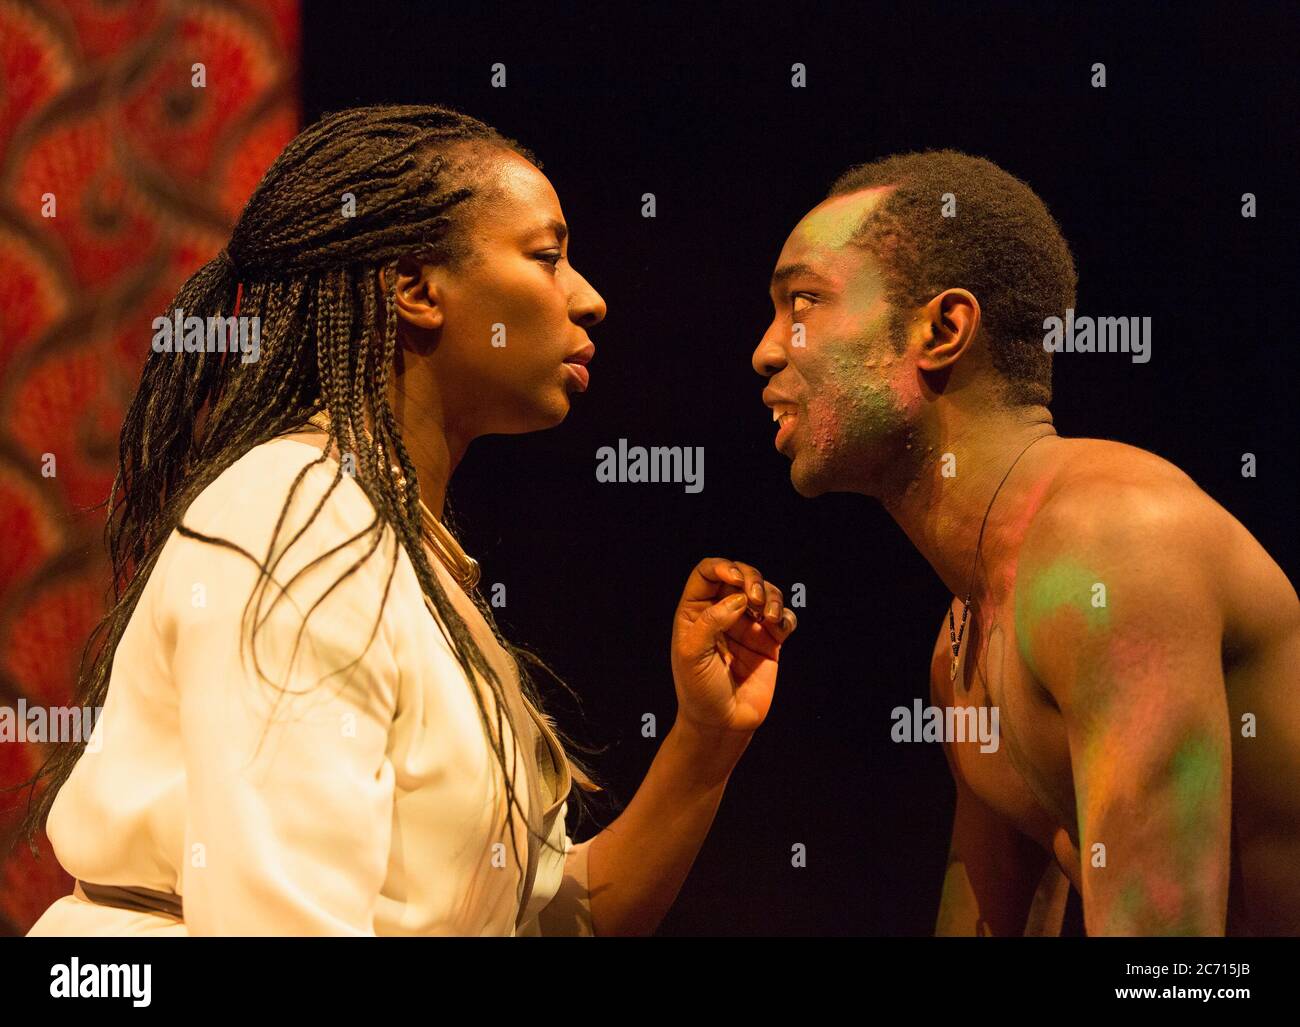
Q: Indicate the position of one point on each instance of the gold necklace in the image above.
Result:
(463, 567)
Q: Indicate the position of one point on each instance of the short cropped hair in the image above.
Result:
(1002, 245)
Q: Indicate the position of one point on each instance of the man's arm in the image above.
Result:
(1118, 617)
(998, 881)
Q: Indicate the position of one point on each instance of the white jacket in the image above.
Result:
(341, 800)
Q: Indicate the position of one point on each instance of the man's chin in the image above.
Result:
(808, 485)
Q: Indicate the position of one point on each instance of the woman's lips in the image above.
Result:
(581, 376)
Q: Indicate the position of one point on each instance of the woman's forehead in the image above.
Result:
(519, 192)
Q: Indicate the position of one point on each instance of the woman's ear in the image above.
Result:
(416, 296)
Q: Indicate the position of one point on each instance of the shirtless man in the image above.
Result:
(1142, 649)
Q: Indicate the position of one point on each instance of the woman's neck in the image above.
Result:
(434, 459)
(433, 443)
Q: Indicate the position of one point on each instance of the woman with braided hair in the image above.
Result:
(311, 723)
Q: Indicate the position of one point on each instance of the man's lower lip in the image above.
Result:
(580, 374)
(786, 427)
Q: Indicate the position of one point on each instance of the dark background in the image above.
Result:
(1145, 178)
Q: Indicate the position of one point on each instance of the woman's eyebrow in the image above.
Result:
(560, 229)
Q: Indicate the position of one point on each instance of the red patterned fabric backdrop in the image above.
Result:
(130, 136)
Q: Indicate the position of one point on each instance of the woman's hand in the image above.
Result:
(727, 637)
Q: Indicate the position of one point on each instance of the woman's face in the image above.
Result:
(504, 333)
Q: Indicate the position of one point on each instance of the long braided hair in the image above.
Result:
(310, 274)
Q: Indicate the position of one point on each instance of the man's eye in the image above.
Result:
(796, 297)
(552, 257)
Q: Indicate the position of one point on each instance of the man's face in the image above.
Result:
(831, 356)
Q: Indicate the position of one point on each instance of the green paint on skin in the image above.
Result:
(1136, 909)
(1133, 910)
(834, 222)
(1129, 908)
(1061, 585)
(1159, 895)
(1197, 771)
(852, 411)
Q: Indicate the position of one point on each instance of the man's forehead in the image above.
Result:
(831, 224)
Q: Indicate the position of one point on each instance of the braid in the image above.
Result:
(309, 273)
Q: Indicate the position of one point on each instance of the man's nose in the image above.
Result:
(769, 355)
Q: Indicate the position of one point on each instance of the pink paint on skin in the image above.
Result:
(827, 430)
(1017, 527)
(847, 412)
(1166, 895)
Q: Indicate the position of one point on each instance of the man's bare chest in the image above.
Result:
(1026, 777)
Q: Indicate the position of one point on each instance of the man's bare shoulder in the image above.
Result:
(1119, 513)
(1110, 495)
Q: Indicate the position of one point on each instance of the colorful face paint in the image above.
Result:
(857, 396)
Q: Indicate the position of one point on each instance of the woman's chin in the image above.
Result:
(547, 414)
(555, 411)
(556, 420)
(562, 404)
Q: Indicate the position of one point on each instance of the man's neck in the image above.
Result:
(942, 508)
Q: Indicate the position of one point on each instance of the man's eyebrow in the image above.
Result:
(787, 271)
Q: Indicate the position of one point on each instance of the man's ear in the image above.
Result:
(951, 321)
(416, 298)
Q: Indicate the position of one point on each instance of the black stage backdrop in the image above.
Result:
(1146, 178)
